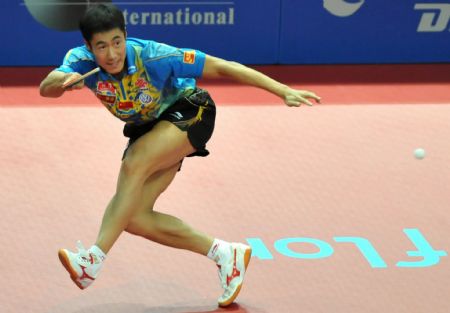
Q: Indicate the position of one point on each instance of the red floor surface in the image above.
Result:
(318, 177)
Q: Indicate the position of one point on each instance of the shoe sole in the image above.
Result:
(247, 257)
(66, 263)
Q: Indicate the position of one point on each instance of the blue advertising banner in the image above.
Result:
(364, 31)
(39, 32)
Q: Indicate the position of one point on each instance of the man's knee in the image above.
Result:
(135, 166)
(139, 227)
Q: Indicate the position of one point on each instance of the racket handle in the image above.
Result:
(83, 77)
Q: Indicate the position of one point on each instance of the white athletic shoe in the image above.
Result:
(232, 273)
(82, 266)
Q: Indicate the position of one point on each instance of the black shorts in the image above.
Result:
(195, 114)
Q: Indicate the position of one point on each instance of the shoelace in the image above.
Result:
(83, 254)
(222, 281)
(223, 269)
(222, 277)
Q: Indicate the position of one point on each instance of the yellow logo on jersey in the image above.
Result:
(189, 57)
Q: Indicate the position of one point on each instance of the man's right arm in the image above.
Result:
(54, 85)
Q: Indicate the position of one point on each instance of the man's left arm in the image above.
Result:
(219, 68)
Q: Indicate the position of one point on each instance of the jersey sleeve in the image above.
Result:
(77, 60)
(168, 61)
(189, 63)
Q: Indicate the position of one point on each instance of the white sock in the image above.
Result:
(220, 251)
(98, 253)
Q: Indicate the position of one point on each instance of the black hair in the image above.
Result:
(101, 18)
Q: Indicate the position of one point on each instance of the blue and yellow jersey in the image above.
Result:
(157, 76)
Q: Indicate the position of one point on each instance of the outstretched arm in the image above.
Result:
(219, 68)
(54, 85)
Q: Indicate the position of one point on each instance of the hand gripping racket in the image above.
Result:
(82, 77)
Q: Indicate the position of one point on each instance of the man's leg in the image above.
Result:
(137, 217)
(163, 228)
(164, 146)
(232, 259)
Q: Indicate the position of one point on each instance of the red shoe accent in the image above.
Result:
(235, 273)
(85, 275)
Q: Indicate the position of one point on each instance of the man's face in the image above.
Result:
(109, 50)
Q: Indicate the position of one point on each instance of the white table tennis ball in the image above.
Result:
(419, 153)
